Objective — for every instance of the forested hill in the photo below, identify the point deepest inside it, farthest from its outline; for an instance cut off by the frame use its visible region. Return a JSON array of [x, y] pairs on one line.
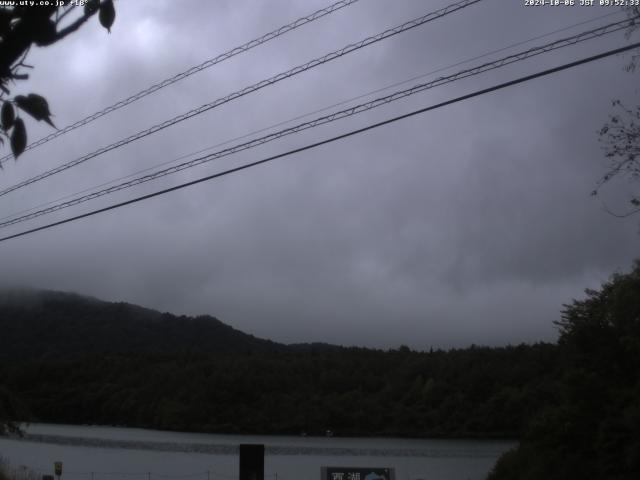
[[574, 405], [72, 359], [48, 324]]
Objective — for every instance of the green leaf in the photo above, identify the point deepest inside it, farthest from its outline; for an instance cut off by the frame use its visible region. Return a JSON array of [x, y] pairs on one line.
[[91, 7], [8, 116], [18, 138], [36, 106], [45, 33], [5, 22], [107, 14]]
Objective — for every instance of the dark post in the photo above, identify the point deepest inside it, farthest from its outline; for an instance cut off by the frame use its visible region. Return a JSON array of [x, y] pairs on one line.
[[251, 462]]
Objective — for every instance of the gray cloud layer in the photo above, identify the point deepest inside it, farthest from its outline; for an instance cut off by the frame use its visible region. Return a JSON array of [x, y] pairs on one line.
[[471, 223]]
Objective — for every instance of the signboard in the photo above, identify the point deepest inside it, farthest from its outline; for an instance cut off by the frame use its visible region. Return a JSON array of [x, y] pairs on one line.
[[357, 473], [57, 468]]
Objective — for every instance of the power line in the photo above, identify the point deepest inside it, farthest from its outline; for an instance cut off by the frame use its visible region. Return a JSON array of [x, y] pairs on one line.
[[298, 117], [245, 91], [330, 140], [191, 71], [357, 109]]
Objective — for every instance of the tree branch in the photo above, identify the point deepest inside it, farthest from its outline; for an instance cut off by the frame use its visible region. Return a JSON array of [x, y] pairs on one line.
[[74, 26], [64, 14], [618, 215]]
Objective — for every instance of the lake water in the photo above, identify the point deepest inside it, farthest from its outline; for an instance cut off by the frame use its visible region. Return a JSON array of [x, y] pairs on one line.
[[110, 453]]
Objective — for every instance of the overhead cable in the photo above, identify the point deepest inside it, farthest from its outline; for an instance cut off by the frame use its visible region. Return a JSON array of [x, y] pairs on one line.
[[329, 140], [304, 115], [245, 91], [191, 71], [357, 109], [308, 114]]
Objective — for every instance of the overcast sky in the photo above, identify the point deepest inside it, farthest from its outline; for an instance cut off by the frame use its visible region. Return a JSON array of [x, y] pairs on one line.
[[468, 224]]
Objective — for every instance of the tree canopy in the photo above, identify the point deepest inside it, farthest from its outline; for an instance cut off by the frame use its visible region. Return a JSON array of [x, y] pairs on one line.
[[620, 137], [591, 429], [21, 27]]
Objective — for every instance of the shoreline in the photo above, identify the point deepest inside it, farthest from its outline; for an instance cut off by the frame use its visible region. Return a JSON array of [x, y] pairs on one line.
[[233, 449]]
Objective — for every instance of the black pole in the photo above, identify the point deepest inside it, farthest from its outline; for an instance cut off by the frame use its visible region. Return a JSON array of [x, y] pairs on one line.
[[251, 462]]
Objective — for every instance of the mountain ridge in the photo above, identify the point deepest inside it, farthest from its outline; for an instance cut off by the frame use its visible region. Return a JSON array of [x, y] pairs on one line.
[[48, 323]]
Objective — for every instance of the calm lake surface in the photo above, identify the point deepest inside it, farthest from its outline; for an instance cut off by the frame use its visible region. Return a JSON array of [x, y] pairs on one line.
[[110, 453]]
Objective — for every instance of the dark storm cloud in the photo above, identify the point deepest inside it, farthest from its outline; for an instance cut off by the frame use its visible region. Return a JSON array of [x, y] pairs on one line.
[[470, 224]]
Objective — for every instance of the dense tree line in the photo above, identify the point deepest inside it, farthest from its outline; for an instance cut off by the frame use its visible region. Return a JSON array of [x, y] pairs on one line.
[[80, 360], [460, 393], [590, 428]]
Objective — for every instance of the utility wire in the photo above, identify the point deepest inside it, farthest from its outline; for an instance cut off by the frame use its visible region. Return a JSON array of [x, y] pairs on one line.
[[357, 109], [257, 86], [191, 71], [324, 109], [331, 140]]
